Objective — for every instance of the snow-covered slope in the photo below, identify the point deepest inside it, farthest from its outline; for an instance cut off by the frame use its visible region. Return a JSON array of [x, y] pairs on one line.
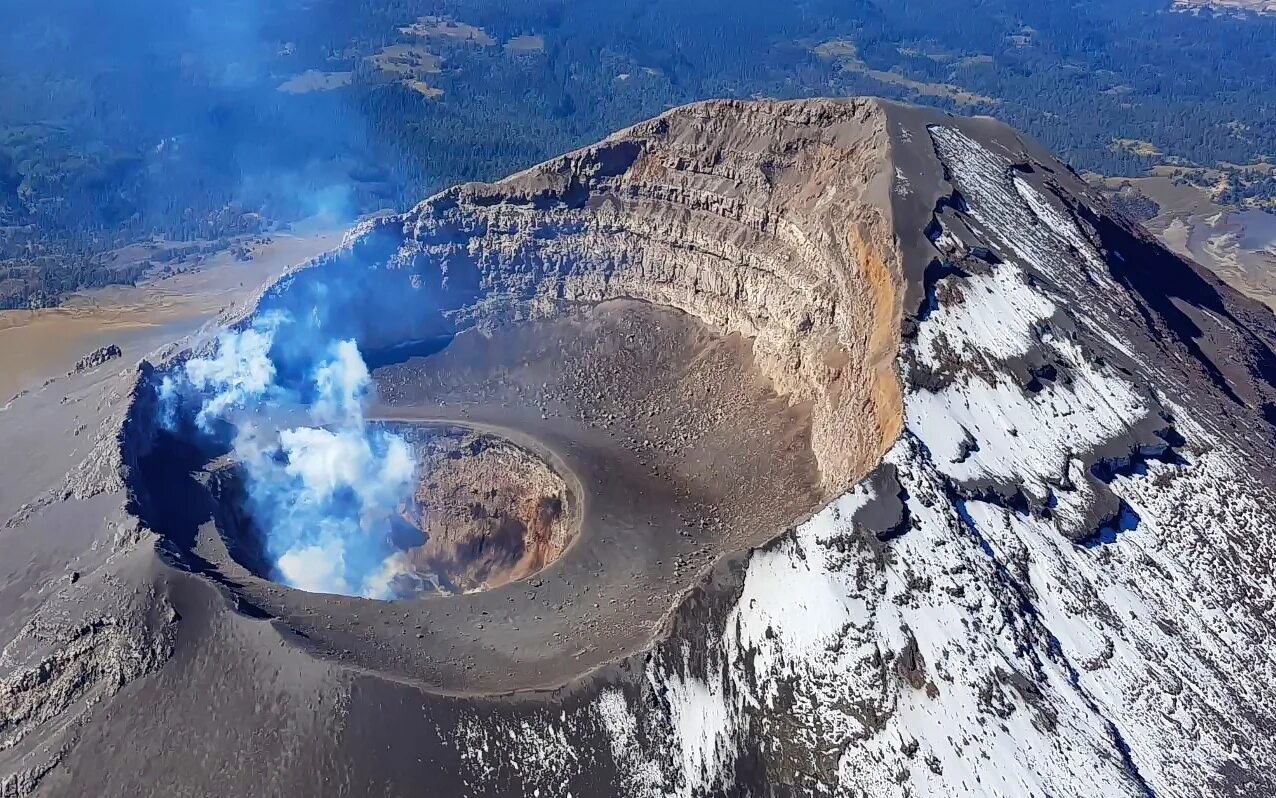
[[1057, 583]]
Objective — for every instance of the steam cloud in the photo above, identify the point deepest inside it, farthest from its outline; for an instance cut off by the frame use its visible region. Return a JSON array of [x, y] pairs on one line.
[[322, 494]]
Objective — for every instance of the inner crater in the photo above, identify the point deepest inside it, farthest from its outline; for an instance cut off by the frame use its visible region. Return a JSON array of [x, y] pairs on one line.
[[488, 511], [605, 446]]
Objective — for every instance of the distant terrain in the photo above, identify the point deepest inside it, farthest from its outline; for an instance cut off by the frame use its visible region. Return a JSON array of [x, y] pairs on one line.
[[254, 115], [41, 344], [1255, 6], [1191, 216]]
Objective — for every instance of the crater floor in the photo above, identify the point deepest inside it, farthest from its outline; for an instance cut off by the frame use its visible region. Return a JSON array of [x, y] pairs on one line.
[[671, 449], [485, 511]]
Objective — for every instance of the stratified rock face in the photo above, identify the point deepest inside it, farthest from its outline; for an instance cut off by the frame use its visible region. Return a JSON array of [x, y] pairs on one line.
[[1045, 565], [768, 220]]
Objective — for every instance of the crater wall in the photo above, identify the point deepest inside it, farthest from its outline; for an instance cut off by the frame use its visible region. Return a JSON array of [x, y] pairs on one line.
[[769, 219]]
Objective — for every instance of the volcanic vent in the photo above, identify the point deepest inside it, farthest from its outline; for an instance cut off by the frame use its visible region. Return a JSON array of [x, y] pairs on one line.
[[490, 511], [482, 511]]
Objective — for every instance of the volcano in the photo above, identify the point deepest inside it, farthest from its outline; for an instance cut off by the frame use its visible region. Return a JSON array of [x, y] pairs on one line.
[[763, 448]]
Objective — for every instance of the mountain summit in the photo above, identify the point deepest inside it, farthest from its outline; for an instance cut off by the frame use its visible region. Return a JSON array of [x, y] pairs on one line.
[[876, 455]]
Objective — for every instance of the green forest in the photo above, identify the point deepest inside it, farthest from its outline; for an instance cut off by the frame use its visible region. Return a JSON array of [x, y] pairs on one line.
[[138, 119]]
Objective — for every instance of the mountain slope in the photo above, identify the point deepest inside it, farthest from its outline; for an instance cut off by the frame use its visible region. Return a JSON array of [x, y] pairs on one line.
[[1059, 579], [1037, 558]]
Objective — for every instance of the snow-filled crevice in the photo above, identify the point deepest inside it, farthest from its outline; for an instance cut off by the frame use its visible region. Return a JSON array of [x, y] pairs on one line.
[[1028, 607]]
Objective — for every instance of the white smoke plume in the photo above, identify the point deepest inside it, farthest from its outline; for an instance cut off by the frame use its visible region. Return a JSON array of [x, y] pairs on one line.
[[322, 495], [241, 372]]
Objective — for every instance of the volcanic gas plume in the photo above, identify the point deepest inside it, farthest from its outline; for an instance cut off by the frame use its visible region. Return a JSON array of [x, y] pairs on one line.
[[321, 483]]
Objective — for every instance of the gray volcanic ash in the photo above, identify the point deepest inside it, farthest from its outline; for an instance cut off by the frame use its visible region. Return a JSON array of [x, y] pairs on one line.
[[764, 448]]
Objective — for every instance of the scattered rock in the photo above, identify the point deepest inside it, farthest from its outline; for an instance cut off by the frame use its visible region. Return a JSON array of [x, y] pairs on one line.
[[97, 357]]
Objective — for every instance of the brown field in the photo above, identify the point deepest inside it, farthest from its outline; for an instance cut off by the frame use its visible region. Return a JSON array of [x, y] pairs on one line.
[[36, 345], [407, 60], [314, 80], [524, 45], [424, 89], [428, 27], [1137, 146], [413, 62]]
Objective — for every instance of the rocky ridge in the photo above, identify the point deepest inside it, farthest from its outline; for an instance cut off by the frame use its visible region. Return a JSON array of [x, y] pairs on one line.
[[994, 629]]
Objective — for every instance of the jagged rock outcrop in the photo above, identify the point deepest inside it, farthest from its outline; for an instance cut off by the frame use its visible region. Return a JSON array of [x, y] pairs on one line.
[[99, 356], [66, 661]]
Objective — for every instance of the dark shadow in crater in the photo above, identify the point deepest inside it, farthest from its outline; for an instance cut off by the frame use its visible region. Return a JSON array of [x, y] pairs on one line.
[[400, 353], [170, 497], [173, 495], [245, 542]]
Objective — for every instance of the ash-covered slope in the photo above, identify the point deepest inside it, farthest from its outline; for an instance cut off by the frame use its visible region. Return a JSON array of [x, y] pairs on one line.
[[1040, 560]]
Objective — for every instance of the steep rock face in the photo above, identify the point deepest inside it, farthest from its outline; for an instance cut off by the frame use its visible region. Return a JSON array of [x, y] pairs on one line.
[[766, 219], [1059, 581]]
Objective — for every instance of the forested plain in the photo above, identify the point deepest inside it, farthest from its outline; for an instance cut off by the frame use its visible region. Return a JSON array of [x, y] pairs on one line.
[[149, 120]]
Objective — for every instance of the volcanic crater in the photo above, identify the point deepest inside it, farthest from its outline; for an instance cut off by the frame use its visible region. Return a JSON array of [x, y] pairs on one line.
[[629, 377], [612, 369], [588, 465]]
